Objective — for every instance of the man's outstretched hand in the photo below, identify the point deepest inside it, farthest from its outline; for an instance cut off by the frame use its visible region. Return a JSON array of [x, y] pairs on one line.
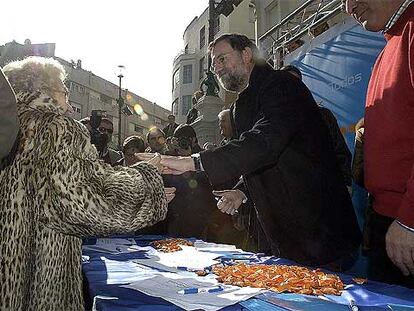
[[170, 164]]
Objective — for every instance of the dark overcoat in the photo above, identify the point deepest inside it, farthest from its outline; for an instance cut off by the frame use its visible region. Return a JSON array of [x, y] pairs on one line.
[[284, 153]]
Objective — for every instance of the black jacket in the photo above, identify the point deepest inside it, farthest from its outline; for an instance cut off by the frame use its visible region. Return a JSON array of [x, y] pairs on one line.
[[342, 153], [285, 155]]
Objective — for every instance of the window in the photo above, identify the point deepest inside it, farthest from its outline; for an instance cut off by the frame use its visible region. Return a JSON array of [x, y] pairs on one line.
[[105, 99], [175, 107], [216, 25], [135, 128], [94, 95], [201, 68], [272, 14], [202, 37], [186, 104], [187, 74], [77, 111], [176, 78]]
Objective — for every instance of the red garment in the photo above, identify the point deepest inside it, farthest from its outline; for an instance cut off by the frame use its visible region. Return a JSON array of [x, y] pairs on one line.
[[389, 124]]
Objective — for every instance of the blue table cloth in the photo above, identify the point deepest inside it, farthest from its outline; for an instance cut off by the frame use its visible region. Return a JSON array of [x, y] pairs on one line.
[[113, 297]]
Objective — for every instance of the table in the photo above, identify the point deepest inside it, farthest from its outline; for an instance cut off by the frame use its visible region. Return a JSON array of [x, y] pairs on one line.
[[106, 274]]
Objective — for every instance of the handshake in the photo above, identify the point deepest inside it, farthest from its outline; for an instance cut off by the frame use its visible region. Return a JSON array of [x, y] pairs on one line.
[[230, 200]]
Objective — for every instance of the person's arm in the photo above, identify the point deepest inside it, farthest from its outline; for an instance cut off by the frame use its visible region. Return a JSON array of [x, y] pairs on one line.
[[286, 105], [9, 125], [83, 196], [342, 153], [400, 234]]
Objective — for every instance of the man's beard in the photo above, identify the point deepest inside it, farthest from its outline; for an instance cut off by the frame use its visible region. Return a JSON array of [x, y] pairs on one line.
[[235, 82]]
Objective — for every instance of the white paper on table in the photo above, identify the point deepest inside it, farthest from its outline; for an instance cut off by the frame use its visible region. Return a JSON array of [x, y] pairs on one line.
[[188, 257], [126, 271], [167, 285]]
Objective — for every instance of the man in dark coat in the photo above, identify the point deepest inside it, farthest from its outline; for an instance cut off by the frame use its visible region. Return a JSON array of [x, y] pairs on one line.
[[284, 153], [170, 128]]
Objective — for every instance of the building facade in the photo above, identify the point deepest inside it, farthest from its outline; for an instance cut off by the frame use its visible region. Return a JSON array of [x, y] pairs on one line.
[[191, 63], [90, 92]]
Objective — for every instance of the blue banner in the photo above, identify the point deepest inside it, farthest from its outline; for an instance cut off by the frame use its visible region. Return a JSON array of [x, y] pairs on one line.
[[336, 66]]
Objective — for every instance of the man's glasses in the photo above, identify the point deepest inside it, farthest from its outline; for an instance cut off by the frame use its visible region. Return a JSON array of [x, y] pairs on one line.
[[219, 61]]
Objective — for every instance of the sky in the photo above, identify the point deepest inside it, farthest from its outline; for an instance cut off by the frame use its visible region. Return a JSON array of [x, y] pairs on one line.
[[142, 35]]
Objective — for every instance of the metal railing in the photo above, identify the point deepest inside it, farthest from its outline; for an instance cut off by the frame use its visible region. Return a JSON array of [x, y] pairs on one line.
[[296, 25]]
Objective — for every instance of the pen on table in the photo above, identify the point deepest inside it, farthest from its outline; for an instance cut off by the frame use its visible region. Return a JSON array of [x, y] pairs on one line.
[[186, 269], [352, 305], [199, 290]]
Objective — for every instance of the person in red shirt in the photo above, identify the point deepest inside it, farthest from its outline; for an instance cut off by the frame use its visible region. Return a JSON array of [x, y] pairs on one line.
[[389, 139]]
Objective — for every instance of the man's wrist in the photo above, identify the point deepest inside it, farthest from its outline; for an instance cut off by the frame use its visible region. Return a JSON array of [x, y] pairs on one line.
[[197, 165], [244, 200], [405, 226]]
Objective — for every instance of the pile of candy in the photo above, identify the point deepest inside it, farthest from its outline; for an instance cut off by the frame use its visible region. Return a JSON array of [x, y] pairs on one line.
[[280, 278], [170, 245]]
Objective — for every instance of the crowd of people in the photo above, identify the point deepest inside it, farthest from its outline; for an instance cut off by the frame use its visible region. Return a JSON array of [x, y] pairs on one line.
[[278, 183]]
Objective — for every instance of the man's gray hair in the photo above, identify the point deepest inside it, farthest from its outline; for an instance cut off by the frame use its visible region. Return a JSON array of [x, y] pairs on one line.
[[238, 42]]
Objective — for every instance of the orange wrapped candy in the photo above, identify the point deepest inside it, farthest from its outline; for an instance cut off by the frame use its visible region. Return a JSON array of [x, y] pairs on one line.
[[280, 278], [170, 245]]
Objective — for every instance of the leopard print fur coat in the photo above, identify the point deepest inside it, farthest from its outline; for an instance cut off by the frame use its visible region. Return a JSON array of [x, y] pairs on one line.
[[54, 193]]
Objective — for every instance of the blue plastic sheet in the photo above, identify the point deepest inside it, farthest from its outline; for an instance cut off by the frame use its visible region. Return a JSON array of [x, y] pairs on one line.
[[370, 296]]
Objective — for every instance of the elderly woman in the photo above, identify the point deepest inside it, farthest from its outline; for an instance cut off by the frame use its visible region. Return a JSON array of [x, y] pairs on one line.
[[57, 191]]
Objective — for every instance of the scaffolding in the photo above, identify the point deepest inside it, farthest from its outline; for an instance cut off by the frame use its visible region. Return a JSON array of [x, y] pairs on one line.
[[311, 14]]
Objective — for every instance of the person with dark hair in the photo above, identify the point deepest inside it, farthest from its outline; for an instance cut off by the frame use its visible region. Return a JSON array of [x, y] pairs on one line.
[[156, 141], [184, 142], [283, 151], [9, 125], [389, 139], [170, 128], [342, 152], [108, 155], [131, 146], [105, 131]]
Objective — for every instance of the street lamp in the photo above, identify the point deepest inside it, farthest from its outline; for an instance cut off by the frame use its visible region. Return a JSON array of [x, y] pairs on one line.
[[120, 101]]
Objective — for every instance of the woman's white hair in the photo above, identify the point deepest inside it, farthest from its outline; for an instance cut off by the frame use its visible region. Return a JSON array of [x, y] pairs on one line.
[[34, 74]]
